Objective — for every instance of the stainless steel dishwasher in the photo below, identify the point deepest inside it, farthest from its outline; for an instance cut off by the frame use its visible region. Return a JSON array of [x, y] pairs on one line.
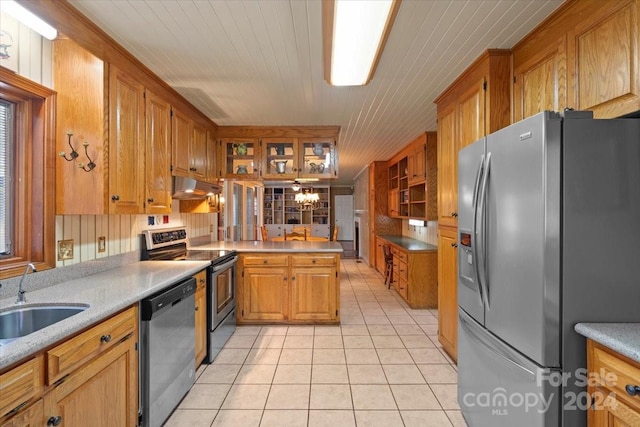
[[167, 350]]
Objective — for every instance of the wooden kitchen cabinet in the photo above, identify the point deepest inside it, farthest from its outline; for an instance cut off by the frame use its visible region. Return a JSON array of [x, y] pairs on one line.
[[21, 384], [79, 80], [288, 288], [126, 143], [448, 291], [584, 56], [90, 376], [414, 274], [264, 292], [189, 141], [610, 374], [475, 105], [104, 391], [314, 294], [240, 158], [201, 316], [413, 180], [279, 158], [33, 416], [293, 158], [158, 184]]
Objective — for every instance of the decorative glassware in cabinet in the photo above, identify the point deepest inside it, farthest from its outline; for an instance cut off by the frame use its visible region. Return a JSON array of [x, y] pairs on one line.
[[240, 157], [318, 158], [279, 157]]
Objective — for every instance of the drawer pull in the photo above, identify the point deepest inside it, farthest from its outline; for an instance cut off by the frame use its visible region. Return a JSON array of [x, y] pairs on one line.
[[104, 338], [54, 421], [265, 261], [313, 261], [633, 390]]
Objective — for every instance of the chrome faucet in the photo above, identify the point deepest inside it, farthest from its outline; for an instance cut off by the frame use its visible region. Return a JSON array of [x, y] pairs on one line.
[[21, 299]]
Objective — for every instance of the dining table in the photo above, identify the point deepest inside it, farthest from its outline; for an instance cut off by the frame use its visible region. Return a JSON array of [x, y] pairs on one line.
[[300, 238]]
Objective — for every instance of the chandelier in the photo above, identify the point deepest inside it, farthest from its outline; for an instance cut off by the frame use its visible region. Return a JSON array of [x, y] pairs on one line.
[[307, 201]]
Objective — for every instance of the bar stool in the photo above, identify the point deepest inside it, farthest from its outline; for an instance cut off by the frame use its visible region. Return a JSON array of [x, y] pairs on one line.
[[388, 266]]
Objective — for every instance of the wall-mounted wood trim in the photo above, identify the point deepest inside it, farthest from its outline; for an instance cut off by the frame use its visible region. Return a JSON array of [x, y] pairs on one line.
[[279, 132]]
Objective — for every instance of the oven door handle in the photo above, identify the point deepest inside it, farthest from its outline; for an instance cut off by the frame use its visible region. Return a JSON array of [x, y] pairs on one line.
[[225, 265]]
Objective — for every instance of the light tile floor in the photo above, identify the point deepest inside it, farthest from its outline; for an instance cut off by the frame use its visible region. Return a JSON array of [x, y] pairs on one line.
[[383, 366]]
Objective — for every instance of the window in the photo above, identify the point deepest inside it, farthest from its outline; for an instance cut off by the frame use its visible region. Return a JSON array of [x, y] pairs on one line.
[[7, 124], [27, 173]]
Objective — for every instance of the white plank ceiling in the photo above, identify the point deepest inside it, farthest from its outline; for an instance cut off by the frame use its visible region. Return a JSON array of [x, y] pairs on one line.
[[259, 62]]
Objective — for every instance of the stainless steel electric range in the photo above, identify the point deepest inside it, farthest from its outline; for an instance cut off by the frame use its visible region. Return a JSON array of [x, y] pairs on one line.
[[171, 244]]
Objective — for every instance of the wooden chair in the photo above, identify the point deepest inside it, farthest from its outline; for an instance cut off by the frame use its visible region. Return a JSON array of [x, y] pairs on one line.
[[335, 233], [263, 231], [388, 266], [296, 235]]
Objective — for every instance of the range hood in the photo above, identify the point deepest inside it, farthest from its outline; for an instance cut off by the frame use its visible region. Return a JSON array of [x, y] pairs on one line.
[[189, 189]]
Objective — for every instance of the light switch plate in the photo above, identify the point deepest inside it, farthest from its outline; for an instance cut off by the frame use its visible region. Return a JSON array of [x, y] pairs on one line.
[[65, 249]]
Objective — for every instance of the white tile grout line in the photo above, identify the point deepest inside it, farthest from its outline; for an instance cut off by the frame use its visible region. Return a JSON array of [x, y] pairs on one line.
[[369, 288]]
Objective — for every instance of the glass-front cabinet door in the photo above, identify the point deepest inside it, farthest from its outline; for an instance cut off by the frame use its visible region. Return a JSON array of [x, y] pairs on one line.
[[318, 158], [279, 158], [240, 158]]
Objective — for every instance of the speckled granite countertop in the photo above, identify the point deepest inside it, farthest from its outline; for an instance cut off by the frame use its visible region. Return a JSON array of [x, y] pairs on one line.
[[260, 246], [409, 244], [105, 293], [621, 337]]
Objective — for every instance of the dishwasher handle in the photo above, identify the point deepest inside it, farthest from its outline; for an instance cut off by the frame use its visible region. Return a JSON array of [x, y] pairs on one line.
[[165, 299]]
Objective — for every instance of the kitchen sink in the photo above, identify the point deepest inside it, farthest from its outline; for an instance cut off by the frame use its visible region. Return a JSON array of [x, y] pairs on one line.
[[19, 321]]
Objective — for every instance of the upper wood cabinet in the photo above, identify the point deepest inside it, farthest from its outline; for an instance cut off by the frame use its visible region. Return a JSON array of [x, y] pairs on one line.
[[413, 180], [278, 152], [476, 104], [279, 158], [585, 56], [318, 158], [240, 158], [189, 141], [126, 143], [133, 164], [158, 154], [79, 79], [291, 158]]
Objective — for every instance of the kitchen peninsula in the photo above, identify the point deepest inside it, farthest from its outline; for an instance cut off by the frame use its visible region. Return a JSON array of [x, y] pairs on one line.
[[292, 282]]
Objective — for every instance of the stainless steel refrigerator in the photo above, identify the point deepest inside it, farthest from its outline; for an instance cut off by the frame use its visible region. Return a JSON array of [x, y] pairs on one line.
[[549, 236]]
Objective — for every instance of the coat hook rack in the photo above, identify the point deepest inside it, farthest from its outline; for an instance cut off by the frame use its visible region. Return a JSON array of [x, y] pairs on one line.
[[73, 155]]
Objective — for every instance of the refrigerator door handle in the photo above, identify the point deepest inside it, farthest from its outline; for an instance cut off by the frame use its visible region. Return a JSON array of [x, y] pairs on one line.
[[474, 226], [480, 234], [500, 352]]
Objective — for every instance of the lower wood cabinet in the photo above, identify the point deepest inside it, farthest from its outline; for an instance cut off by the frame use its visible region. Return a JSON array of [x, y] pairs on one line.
[[414, 273], [288, 288], [91, 378], [447, 291], [201, 316], [614, 387]]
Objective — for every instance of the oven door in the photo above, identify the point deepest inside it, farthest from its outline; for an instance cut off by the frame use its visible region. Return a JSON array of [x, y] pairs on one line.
[[223, 291]]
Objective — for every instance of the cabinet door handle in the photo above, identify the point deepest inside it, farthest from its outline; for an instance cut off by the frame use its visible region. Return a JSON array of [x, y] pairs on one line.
[[454, 245], [265, 261], [454, 214], [293, 278], [150, 200], [115, 197], [196, 308], [54, 421], [313, 261], [104, 338], [633, 390]]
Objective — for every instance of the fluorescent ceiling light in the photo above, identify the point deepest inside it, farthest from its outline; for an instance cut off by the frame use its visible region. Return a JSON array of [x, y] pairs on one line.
[[355, 32], [29, 19]]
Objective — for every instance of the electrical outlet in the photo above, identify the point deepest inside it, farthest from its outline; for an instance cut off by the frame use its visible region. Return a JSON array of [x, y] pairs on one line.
[[102, 244], [210, 228], [65, 249]]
